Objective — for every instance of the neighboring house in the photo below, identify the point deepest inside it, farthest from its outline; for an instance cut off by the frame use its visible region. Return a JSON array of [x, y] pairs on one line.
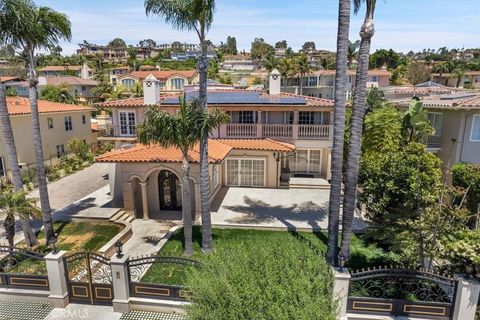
[[182, 46], [17, 83], [468, 79], [190, 54], [56, 71], [398, 93], [321, 83], [116, 72], [169, 80], [239, 63], [81, 88], [272, 136], [59, 123]]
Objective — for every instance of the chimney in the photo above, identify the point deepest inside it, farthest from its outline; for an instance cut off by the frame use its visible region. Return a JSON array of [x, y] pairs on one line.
[[274, 82], [84, 72], [151, 90]]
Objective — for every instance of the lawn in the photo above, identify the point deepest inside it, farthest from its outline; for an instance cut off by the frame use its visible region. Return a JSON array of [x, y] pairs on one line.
[[363, 255]]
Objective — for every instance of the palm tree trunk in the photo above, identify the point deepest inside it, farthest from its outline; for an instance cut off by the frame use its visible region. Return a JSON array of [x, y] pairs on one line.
[[9, 225], [186, 206], [207, 242], [339, 131], [301, 84], [37, 144], [30, 238], [356, 130]]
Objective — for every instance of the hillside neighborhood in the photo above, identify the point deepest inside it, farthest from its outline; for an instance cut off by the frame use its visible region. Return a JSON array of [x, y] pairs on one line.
[[170, 176]]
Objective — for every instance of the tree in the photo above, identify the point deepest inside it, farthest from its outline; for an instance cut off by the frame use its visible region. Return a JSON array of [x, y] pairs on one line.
[[260, 50], [417, 73], [11, 92], [61, 93], [270, 64], [231, 46], [352, 51], [15, 203], [458, 73], [338, 131], [303, 67], [80, 149], [383, 130], [383, 57], [281, 44], [356, 130], [286, 68], [308, 46], [117, 43], [182, 130], [467, 176], [194, 15], [442, 68], [147, 45], [38, 28]]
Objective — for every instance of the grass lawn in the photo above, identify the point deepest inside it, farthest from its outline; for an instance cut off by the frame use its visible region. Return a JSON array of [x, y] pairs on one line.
[[362, 255]]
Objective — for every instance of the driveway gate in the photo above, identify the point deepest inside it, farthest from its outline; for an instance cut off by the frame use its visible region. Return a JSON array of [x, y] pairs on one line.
[[89, 278], [402, 292]]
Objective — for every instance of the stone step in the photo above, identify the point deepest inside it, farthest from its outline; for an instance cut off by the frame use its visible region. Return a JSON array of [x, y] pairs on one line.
[[117, 215], [309, 186]]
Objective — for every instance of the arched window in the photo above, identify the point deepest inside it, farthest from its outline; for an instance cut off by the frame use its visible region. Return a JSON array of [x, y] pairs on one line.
[[170, 191], [128, 83]]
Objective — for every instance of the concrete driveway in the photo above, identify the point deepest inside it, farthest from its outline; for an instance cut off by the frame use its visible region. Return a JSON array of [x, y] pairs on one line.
[[299, 209]]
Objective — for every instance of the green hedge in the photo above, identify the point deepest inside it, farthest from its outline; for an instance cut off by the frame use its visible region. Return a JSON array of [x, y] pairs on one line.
[[468, 176]]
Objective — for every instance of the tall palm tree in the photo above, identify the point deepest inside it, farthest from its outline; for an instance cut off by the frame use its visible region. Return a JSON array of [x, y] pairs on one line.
[[13, 203], [7, 9], [458, 73], [182, 130], [194, 15], [352, 51], [271, 63], [442, 68], [303, 67], [339, 130], [356, 129], [43, 29], [285, 67]]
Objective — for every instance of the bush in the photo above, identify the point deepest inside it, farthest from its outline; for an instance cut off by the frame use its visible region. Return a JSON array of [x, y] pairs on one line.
[[262, 280], [468, 176]]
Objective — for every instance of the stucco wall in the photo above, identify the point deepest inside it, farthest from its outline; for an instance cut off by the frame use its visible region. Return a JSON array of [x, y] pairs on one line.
[[469, 150]]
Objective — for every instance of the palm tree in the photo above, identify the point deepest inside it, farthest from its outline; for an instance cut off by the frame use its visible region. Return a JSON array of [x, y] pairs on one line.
[[352, 51], [285, 67], [13, 203], [42, 29], [182, 130], [303, 67], [458, 73], [356, 129], [194, 15], [339, 130], [270, 64], [442, 68]]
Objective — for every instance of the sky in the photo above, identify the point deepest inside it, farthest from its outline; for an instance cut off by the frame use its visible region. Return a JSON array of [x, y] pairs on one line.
[[402, 25]]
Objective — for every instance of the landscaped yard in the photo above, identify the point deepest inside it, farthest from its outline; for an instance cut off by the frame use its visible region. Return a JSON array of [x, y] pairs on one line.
[[363, 255]]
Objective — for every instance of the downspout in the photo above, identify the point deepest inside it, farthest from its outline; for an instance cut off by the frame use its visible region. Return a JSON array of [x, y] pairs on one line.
[[464, 132]]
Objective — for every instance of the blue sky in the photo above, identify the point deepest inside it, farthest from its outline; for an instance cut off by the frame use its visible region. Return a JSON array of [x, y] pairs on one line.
[[400, 24]]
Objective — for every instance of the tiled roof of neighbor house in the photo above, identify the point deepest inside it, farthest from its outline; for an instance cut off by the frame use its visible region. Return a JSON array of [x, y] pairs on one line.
[[467, 73], [258, 144], [162, 75], [417, 90], [61, 68], [230, 98], [70, 80], [459, 101], [6, 79], [217, 151], [20, 106]]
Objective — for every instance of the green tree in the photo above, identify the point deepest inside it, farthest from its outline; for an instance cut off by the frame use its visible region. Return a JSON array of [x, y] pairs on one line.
[[338, 131], [383, 130], [286, 68], [352, 51], [15, 203], [61, 93], [181, 130], [270, 64], [308, 46], [382, 57], [303, 67], [11, 92], [80, 149], [458, 73], [231, 45], [260, 50], [467, 176], [194, 15], [417, 73], [37, 28], [117, 43], [356, 130], [416, 127]]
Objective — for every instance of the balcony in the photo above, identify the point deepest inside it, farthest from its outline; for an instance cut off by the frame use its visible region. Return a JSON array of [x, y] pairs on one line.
[[276, 131], [117, 132]]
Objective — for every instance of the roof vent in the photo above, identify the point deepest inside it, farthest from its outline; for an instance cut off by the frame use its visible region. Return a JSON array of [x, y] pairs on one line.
[[151, 90], [274, 82]]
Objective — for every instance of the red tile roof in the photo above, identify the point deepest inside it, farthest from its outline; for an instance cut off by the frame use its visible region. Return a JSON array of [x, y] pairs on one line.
[[6, 79], [162, 75], [61, 68], [218, 150], [70, 80], [19, 106]]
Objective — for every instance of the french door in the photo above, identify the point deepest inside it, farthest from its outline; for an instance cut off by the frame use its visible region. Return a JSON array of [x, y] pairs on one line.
[[307, 161], [127, 123], [245, 172]]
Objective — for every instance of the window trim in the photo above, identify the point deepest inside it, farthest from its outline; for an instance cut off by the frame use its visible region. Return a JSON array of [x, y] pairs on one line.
[[474, 118], [50, 123], [239, 159], [68, 123]]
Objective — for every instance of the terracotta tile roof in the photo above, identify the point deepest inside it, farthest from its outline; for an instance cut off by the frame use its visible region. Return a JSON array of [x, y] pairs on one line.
[[61, 68], [19, 106], [217, 151], [70, 80], [454, 101], [258, 144], [6, 79], [161, 75]]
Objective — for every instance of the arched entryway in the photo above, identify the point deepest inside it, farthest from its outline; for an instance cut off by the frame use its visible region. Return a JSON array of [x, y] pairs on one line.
[[170, 191]]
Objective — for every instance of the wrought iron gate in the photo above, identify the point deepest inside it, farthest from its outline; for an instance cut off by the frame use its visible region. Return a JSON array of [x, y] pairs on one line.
[[89, 278], [402, 292]]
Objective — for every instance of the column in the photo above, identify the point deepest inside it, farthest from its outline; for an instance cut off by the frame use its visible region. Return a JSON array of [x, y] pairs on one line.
[[296, 116], [466, 299], [329, 164], [259, 124], [144, 200], [340, 289], [120, 284], [57, 279]]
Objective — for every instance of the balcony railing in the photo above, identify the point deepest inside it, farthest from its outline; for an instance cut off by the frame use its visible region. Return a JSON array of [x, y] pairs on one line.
[[242, 130], [313, 131], [434, 141], [118, 131], [278, 131]]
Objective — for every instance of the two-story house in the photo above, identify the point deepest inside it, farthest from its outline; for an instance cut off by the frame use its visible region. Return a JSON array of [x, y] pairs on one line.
[[80, 88], [115, 72], [469, 79], [59, 123], [82, 71], [169, 80], [272, 137], [321, 83]]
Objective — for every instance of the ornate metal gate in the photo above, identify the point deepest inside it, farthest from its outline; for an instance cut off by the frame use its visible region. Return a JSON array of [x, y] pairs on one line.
[[89, 278], [402, 292]]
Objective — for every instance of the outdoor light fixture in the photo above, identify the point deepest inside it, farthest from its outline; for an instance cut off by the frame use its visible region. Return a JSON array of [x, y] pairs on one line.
[[52, 243], [341, 261], [118, 248]]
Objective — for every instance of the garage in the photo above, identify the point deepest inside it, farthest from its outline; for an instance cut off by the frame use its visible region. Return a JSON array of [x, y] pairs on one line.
[[245, 172]]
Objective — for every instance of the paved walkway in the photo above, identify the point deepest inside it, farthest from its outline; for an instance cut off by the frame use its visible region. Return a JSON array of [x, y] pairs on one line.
[[274, 208]]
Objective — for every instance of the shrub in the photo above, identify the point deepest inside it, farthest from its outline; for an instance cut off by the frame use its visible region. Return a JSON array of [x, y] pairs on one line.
[[276, 279], [468, 176], [80, 149]]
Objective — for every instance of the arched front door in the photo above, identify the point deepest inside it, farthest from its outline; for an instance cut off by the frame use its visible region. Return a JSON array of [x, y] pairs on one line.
[[170, 191]]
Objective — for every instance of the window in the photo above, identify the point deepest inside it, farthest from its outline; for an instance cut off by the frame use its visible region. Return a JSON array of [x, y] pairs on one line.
[[374, 79], [50, 123], [128, 83], [243, 116], [177, 83], [84, 119], [314, 117], [312, 81], [60, 150], [475, 134], [288, 117], [68, 123], [127, 123], [215, 174], [2, 167], [84, 88], [245, 172], [435, 119]]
